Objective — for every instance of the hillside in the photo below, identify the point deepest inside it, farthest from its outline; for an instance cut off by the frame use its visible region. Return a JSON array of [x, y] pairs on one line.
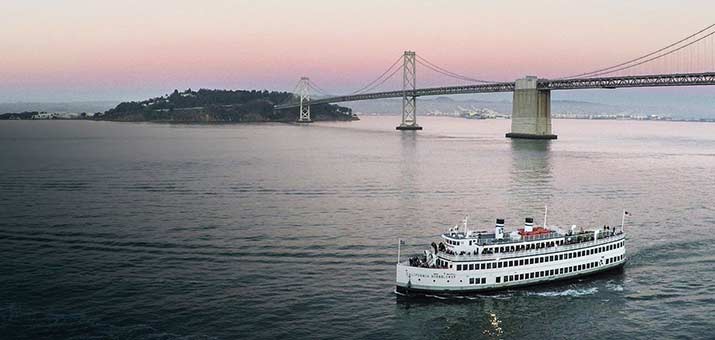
[[218, 106]]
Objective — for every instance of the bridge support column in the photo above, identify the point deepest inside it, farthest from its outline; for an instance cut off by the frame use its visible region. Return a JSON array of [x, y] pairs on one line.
[[531, 111], [409, 99], [304, 92]]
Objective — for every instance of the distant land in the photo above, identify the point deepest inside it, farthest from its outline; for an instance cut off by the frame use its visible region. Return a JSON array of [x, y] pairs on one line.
[[559, 108], [256, 106], [187, 106], [68, 107], [218, 106]]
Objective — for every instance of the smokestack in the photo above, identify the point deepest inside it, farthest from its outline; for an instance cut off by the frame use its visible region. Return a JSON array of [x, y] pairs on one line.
[[499, 229], [529, 224]]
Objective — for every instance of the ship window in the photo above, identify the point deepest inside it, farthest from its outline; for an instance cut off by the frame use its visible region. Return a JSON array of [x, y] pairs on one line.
[[551, 258], [531, 261], [511, 277], [484, 280], [561, 271], [459, 267], [511, 263], [498, 279], [521, 262], [471, 266], [489, 265], [531, 276], [521, 276], [500, 264], [471, 280], [506, 278], [483, 266], [561, 257], [579, 267]]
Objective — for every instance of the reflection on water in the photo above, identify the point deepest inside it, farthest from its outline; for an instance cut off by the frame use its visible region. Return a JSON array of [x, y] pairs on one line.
[[408, 168], [531, 183]]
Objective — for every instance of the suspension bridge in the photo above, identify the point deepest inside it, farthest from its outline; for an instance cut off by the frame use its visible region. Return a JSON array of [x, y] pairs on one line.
[[687, 62]]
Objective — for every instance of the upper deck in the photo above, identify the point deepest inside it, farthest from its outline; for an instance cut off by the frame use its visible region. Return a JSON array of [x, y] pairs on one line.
[[570, 242], [483, 238]]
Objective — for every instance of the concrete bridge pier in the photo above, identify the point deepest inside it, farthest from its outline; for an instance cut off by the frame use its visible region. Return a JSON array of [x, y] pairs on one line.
[[531, 111]]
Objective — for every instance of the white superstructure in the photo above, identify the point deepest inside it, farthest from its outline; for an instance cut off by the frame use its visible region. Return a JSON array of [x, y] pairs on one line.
[[471, 260]]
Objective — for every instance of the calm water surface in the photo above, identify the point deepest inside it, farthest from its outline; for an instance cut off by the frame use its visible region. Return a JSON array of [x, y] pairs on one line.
[[148, 231]]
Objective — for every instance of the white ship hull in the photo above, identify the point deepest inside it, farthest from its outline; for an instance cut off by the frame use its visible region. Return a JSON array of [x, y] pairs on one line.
[[480, 273]]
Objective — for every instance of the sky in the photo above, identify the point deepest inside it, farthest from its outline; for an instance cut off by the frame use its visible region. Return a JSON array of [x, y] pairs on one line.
[[81, 50]]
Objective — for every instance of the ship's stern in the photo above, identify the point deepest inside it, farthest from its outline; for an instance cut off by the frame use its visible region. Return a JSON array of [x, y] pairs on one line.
[[402, 278]]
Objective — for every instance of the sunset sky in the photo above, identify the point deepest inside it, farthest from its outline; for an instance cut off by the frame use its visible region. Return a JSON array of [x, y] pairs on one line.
[[72, 50]]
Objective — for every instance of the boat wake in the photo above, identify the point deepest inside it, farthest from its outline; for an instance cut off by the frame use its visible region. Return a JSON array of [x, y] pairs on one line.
[[614, 287], [568, 292]]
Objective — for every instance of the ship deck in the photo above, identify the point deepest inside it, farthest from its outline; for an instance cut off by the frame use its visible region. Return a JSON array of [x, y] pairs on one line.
[[530, 252]]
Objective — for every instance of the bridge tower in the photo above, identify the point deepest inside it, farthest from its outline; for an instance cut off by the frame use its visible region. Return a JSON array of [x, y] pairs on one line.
[[409, 98], [531, 111], [304, 93]]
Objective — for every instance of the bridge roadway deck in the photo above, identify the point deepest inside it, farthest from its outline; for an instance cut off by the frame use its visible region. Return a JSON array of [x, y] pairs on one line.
[[656, 80]]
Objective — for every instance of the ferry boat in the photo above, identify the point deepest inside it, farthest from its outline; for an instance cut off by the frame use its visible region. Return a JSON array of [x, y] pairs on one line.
[[468, 261]]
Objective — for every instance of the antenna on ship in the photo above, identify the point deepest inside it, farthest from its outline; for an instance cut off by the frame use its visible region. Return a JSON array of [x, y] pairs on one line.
[[546, 212]]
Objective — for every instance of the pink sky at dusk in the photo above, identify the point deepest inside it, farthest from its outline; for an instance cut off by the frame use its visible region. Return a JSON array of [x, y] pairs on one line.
[[87, 50]]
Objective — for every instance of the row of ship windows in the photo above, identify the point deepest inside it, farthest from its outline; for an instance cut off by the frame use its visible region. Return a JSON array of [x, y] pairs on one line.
[[521, 247], [477, 281], [542, 259], [543, 273], [536, 245], [566, 270]]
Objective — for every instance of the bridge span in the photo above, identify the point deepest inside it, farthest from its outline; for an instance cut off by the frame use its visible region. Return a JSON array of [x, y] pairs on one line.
[[654, 80], [531, 105]]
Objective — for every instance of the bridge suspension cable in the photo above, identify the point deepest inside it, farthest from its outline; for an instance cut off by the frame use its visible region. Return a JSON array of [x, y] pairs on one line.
[[426, 63], [313, 86], [379, 80], [642, 59]]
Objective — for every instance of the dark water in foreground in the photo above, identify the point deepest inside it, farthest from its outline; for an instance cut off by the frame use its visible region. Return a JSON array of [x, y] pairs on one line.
[[143, 231]]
